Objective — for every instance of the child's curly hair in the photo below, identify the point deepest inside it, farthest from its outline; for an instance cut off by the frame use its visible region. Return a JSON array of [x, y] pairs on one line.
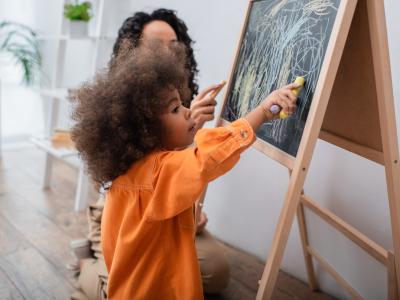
[[117, 114]]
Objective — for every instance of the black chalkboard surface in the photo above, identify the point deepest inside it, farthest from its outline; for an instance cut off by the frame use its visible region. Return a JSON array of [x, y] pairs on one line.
[[282, 39]]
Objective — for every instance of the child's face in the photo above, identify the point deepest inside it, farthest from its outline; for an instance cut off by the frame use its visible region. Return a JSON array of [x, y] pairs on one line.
[[179, 127]]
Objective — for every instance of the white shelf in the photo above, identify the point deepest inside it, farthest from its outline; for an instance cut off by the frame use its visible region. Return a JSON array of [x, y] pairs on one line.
[[72, 37], [53, 93], [61, 40], [46, 145]]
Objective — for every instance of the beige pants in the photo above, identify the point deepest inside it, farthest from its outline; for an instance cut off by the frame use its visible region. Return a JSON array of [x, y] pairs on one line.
[[92, 280], [214, 266]]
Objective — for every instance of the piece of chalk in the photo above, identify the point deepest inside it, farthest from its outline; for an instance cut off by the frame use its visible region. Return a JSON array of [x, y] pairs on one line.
[[299, 80], [277, 109], [218, 89]]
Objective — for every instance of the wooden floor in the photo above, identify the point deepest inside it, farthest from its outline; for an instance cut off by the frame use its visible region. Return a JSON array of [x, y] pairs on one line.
[[37, 225]]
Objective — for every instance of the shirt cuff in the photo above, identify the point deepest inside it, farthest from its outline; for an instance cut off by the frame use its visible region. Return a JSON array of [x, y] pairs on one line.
[[242, 132]]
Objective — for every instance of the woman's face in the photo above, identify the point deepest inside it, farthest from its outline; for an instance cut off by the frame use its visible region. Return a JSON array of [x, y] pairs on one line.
[[159, 30]]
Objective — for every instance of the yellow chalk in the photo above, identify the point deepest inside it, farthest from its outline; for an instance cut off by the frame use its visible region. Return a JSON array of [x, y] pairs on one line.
[[299, 80], [283, 115], [218, 89]]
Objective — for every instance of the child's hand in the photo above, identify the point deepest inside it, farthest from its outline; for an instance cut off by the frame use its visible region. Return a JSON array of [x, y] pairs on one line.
[[203, 106], [284, 97]]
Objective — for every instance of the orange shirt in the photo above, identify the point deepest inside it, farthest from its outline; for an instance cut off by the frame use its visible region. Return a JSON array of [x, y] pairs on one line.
[[148, 222]]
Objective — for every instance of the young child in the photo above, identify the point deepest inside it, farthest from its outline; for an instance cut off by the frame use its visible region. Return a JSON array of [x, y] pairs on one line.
[[164, 25], [133, 131]]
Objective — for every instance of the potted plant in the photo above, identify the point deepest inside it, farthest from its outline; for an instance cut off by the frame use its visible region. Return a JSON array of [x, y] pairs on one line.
[[78, 13], [19, 43]]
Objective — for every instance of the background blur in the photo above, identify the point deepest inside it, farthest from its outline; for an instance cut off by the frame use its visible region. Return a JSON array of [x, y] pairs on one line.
[[243, 206]]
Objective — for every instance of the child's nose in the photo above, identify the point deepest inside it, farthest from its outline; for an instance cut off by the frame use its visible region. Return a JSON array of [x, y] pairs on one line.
[[188, 112]]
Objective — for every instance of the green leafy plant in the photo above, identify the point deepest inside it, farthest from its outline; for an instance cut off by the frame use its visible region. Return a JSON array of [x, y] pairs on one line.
[[78, 11], [21, 44]]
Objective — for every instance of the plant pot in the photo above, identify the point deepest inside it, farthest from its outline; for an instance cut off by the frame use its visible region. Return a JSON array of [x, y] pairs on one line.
[[78, 28]]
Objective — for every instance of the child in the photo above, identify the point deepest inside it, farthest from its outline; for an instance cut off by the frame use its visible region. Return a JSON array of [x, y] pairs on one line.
[[164, 25], [132, 130]]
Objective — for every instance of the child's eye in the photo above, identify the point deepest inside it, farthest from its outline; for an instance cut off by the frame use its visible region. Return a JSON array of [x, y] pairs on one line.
[[176, 109]]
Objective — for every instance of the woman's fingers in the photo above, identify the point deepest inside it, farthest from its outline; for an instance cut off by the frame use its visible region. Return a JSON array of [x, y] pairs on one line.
[[202, 110], [207, 101], [207, 90], [201, 113], [201, 119], [207, 117]]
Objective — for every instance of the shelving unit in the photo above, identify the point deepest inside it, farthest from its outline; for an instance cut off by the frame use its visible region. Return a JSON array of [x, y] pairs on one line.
[[68, 37], [56, 93], [46, 145]]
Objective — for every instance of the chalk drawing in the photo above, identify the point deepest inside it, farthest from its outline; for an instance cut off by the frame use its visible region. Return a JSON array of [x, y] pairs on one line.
[[283, 39]]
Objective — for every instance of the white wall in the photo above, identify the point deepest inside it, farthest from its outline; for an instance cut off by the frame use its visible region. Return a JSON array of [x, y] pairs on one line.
[[243, 206]]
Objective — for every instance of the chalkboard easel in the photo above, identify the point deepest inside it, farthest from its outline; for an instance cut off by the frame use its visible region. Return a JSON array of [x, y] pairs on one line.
[[352, 107]]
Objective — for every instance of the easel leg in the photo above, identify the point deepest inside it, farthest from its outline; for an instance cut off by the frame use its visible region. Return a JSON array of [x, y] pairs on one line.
[[394, 195], [301, 219], [312, 281], [392, 178], [281, 236], [380, 55], [393, 292]]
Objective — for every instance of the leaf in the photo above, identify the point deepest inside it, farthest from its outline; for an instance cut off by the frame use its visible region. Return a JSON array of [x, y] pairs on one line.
[[78, 11], [20, 42]]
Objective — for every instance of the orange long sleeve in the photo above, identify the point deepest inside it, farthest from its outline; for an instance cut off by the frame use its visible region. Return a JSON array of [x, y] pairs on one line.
[[148, 222]]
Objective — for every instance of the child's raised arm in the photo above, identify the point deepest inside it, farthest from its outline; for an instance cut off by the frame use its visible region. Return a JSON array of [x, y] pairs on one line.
[[284, 97], [187, 172]]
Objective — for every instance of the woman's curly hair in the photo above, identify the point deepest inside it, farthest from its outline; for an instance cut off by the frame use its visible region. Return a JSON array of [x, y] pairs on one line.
[[118, 114], [132, 29]]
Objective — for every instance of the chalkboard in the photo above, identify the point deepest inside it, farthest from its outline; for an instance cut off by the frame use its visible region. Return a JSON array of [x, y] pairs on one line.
[[281, 40]]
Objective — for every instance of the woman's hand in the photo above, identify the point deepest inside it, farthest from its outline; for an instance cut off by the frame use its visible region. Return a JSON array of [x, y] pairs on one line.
[[201, 224], [203, 107]]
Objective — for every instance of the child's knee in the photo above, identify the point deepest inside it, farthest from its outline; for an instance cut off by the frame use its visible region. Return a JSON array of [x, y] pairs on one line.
[[215, 272], [89, 280]]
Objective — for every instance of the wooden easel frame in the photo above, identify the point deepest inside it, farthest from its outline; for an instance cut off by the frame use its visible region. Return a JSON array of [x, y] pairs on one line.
[[388, 155]]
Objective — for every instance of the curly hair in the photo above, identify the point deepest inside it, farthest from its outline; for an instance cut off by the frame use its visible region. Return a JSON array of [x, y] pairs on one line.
[[118, 113], [132, 29]]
